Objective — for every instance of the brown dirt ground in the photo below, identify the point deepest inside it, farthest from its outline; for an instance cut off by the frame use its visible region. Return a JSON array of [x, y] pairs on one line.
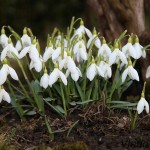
[[95, 130]]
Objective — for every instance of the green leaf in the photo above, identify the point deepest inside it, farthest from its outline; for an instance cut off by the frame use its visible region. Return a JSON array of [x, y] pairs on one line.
[[80, 91], [49, 129], [36, 86], [60, 109], [85, 102], [30, 112], [72, 126]]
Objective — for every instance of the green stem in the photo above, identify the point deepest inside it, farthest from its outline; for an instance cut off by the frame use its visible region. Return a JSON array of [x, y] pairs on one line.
[[63, 98], [134, 121], [17, 106]]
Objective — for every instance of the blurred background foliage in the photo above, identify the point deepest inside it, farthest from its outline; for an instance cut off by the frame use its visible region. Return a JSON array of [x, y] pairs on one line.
[[40, 15]]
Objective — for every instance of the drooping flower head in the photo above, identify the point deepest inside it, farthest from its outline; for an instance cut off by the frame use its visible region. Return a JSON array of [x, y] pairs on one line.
[[4, 95], [44, 79], [3, 38]]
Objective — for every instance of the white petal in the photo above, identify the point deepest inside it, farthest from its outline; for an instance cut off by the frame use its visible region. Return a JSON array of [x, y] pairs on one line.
[[47, 54], [38, 66], [112, 58], [53, 77], [79, 72], [132, 51], [140, 105], [89, 41], [146, 106], [4, 53], [24, 52], [109, 71], [100, 72], [6, 96], [63, 78], [3, 75], [91, 72], [67, 73], [34, 54], [75, 75], [31, 65], [13, 73], [88, 32], [44, 80], [97, 43], [1, 95], [14, 50], [56, 53], [123, 57], [148, 72], [133, 73], [18, 45], [71, 65], [83, 54], [143, 54], [124, 75]]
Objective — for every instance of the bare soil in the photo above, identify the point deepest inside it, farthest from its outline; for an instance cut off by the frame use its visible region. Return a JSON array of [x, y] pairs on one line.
[[94, 130]]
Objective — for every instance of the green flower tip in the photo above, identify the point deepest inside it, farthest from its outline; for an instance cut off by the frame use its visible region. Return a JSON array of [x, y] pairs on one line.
[[2, 30], [25, 31], [34, 41], [68, 52], [59, 33], [129, 63], [56, 65], [130, 40], [81, 23], [45, 70], [116, 45], [9, 40], [136, 39], [94, 31], [50, 44], [93, 61], [103, 41], [5, 61], [142, 95], [59, 44]]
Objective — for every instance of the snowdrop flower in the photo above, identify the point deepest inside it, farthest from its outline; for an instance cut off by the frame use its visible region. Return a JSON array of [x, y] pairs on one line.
[[131, 72], [48, 52], [104, 50], [9, 51], [82, 30], [93, 70], [129, 50], [138, 49], [32, 50], [148, 72], [4, 95], [142, 102], [44, 80], [37, 65], [97, 41], [26, 41], [3, 38], [74, 75], [5, 70], [80, 51], [106, 69], [56, 53], [55, 75], [117, 55]]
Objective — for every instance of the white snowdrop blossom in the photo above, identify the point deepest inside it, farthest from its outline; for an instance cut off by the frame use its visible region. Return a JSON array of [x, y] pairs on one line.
[[74, 75], [104, 51], [36, 64], [44, 82], [141, 105], [82, 30], [5, 70], [80, 52], [56, 53], [9, 51], [138, 49], [55, 75], [106, 69], [3, 38], [131, 72], [48, 53], [94, 37], [129, 50], [117, 55], [26, 41], [4, 95], [32, 50]]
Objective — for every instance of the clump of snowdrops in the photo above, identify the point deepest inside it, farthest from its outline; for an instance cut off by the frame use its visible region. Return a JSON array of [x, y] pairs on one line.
[[74, 69]]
